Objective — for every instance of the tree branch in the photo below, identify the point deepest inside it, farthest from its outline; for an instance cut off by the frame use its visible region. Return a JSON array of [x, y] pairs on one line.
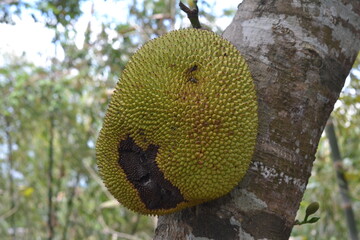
[[192, 14]]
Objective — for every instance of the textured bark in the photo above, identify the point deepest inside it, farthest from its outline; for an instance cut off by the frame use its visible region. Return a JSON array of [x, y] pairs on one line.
[[299, 53]]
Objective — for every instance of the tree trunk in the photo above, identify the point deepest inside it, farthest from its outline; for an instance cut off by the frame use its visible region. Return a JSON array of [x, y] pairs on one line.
[[342, 181], [299, 53]]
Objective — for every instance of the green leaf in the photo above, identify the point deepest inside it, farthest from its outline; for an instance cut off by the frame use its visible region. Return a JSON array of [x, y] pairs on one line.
[[311, 209], [313, 220]]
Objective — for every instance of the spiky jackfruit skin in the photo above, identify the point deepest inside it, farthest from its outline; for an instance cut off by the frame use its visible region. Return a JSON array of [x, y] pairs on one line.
[[181, 126]]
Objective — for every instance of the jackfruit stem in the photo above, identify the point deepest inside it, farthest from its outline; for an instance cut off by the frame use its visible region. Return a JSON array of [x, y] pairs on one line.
[[192, 14]]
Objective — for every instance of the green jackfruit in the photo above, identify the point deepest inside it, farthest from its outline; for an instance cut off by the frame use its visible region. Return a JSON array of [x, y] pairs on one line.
[[181, 126]]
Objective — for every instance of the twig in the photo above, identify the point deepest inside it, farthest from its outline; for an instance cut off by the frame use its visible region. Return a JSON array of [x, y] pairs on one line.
[[108, 230], [97, 179], [192, 14], [9, 213]]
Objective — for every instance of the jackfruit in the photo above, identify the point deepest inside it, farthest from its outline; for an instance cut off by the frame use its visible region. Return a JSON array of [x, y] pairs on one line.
[[181, 126]]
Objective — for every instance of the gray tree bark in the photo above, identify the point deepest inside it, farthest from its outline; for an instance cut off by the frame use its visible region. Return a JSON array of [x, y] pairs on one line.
[[299, 53]]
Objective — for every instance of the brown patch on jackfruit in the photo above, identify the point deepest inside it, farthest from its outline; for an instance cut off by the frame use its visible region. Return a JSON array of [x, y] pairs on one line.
[[141, 170]]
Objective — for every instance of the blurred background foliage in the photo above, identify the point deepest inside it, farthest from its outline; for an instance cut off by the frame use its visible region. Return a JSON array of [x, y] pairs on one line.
[[50, 115]]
